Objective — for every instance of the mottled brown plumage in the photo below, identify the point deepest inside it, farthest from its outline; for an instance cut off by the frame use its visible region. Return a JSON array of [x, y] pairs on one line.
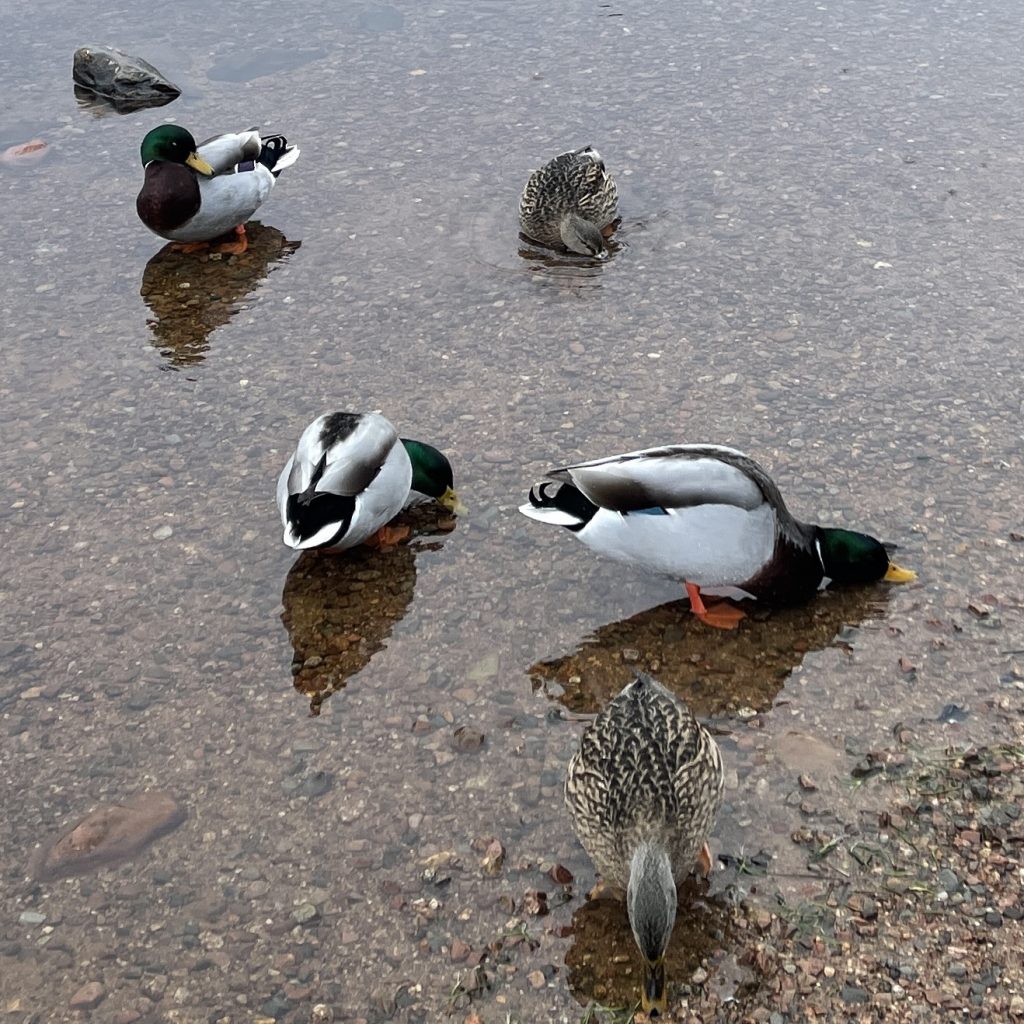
[[571, 203], [646, 770], [643, 791]]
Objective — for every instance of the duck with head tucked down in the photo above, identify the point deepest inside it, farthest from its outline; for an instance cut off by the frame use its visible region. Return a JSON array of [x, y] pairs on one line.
[[709, 516], [571, 203], [350, 475], [194, 194], [643, 791]]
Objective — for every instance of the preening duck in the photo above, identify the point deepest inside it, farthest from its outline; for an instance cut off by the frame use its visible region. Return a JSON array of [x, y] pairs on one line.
[[194, 194], [350, 475], [709, 516], [571, 203]]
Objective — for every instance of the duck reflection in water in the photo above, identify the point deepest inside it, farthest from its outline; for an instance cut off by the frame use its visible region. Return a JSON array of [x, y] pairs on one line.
[[714, 671], [190, 296], [340, 610]]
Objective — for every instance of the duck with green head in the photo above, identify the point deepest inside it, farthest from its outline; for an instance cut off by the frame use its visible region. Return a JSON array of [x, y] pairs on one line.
[[350, 475], [709, 516], [193, 194], [643, 791]]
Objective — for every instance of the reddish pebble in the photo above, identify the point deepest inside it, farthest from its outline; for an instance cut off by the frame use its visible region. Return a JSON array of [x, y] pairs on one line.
[[88, 997], [25, 153]]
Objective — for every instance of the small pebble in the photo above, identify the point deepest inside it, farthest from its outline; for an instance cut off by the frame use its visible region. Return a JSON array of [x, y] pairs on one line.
[[305, 913]]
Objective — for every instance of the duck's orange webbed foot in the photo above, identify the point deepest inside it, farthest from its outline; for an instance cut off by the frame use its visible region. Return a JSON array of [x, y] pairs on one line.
[[704, 860], [720, 614], [388, 537], [238, 246]]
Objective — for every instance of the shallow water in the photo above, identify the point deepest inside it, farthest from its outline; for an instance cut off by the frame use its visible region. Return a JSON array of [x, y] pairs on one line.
[[819, 264]]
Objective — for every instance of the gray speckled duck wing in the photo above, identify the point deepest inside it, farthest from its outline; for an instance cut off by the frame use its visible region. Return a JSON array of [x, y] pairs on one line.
[[224, 152], [348, 449], [673, 476]]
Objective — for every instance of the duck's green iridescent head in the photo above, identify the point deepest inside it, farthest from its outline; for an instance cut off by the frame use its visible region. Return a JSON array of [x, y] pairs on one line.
[[173, 144], [851, 557], [432, 474]]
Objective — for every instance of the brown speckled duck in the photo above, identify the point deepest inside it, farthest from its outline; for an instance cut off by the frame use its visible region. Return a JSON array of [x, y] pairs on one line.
[[571, 203], [643, 791]]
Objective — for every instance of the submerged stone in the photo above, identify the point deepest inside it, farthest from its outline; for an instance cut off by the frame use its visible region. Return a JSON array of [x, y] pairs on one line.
[[111, 834], [122, 81]]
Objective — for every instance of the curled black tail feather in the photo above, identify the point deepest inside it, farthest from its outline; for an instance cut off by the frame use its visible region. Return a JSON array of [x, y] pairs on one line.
[[566, 498], [274, 147]]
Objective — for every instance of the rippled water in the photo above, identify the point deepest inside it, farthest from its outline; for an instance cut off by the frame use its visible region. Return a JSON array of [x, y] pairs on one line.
[[819, 264]]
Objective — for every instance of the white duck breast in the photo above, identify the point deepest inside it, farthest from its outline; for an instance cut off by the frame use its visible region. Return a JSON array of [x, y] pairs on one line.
[[225, 202]]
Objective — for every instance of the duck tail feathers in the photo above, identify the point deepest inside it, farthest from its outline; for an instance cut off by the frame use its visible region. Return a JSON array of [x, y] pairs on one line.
[[558, 505], [276, 154]]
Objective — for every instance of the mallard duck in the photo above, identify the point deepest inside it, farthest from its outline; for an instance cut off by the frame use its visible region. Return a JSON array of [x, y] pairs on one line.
[[351, 474], [710, 516], [570, 203], [193, 194], [643, 791]]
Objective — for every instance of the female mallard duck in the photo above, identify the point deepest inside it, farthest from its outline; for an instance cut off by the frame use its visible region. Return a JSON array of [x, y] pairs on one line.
[[710, 516], [643, 791], [570, 203], [193, 194], [351, 474]]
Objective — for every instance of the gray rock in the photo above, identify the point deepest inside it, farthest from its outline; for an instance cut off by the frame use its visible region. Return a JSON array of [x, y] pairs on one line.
[[31, 917], [305, 913], [853, 994], [123, 82]]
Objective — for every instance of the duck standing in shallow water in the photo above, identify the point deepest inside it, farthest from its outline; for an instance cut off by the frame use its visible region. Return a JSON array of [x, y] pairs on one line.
[[351, 474], [711, 517], [195, 194], [643, 791], [571, 203]]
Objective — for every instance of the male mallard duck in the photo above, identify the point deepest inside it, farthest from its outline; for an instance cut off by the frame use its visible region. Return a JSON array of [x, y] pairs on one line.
[[570, 203], [351, 474], [193, 194], [710, 516], [643, 791]]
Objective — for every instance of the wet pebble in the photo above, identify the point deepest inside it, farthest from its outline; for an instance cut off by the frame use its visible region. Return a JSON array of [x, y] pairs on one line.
[[311, 784], [305, 913], [493, 858], [88, 997], [853, 994], [467, 740]]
